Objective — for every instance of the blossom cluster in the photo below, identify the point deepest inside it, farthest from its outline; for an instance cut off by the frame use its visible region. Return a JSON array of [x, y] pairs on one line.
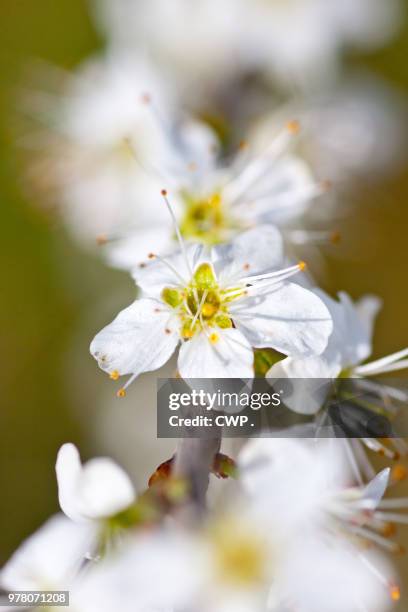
[[164, 155]]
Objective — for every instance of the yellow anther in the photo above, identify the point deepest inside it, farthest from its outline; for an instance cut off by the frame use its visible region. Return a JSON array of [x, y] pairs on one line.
[[214, 338], [188, 333], [302, 265], [395, 592], [114, 375], [335, 237], [399, 472], [293, 126], [389, 530], [101, 239], [121, 393]]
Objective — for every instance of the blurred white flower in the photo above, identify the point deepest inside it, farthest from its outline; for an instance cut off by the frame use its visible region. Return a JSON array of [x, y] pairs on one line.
[[50, 559], [214, 201], [298, 41], [219, 305], [153, 572], [349, 346], [301, 489], [355, 129], [86, 151]]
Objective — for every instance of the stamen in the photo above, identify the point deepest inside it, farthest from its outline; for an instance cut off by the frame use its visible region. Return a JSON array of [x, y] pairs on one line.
[[114, 375], [169, 265], [198, 313], [368, 535], [383, 365], [279, 274], [177, 229], [376, 446], [313, 237], [121, 393]]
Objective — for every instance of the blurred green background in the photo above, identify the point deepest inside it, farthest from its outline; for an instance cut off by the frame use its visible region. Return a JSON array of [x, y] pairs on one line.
[[49, 286]]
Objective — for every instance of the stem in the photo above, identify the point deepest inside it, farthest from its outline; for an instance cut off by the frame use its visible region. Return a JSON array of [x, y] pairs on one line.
[[194, 461]]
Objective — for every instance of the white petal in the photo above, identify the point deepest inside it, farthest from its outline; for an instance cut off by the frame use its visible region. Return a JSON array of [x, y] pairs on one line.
[[104, 489], [68, 469], [230, 357], [284, 193], [352, 327], [130, 251], [141, 339], [287, 317], [153, 276], [100, 488], [50, 558], [252, 252], [375, 490], [368, 308], [310, 381], [198, 144]]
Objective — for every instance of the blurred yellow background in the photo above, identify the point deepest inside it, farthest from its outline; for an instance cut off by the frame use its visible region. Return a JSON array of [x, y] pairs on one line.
[[50, 287]]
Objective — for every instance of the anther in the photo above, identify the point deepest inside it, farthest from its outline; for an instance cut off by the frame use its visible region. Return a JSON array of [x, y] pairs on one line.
[[302, 265], [121, 393], [389, 530], [326, 185], [214, 338], [335, 237], [293, 126], [151, 256], [164, 192], [101, 239], [146, 98], [395, 592], [399, 472], [114, 375], [167, 331]]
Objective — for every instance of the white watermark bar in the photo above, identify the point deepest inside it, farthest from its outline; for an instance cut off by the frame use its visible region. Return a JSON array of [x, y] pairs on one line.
[[296, 407], [32, 599]]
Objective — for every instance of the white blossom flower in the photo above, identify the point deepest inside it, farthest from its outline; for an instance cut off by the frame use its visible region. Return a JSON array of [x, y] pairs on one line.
[[348, 348], [299, 40], [50, 559], [85, 151], [219, 305], [214, 200], [98, 490], [352, 130], [153, 571], [302, 489]]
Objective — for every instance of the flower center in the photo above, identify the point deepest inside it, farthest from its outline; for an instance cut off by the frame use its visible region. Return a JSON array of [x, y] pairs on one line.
[[201, 305], [206, 220], [240, 556]]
